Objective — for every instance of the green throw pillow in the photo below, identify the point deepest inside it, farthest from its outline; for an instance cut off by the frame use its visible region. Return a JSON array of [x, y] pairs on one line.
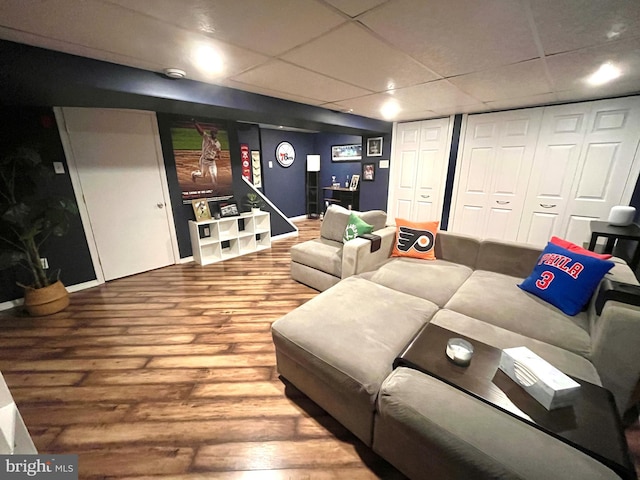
[[355, 228]]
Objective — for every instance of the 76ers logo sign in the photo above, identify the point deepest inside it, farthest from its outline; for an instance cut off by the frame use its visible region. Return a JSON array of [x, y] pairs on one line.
[[421, 240]]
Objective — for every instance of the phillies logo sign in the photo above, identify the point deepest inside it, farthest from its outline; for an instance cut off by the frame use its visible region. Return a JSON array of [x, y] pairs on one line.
[[246, 161]]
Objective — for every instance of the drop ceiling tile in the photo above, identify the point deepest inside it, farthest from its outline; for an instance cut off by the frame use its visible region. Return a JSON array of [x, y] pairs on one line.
[[266, 26], [453, 38], [569, 71], [270, 93], [284, 77], [354, 8], [477, 108], [573, 24], [530, 101], [351, 54], [512, 81], [104, 31], [368, 105], [433, 95]]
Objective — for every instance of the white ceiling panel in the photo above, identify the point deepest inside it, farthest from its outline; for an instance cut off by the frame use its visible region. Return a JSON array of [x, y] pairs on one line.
[[544, 99], [266, 26], [281, 76], [569, 71], [442, 56], [351, 54], [354, 8], [433, 95], [573, 24], [511, 81], [456, 37]]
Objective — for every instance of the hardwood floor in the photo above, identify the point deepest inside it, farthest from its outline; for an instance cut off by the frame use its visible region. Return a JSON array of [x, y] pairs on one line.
[[171, 374]]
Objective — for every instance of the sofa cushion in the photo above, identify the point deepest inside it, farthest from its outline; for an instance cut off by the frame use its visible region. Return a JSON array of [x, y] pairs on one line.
[[565, 279], [429, 429], [498, 337], [356, 227], [495, 298], [434, 280], [376, 218], [321, 254], [334, 222], [336, 218], [509, 258], [415, 239]]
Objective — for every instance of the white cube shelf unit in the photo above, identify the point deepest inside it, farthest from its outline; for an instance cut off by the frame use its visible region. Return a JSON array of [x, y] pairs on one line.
[[217, 240]]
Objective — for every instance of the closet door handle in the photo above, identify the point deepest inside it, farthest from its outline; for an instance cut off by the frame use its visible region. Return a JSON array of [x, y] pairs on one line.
[[425, 196], [547, 205], [503, 202]]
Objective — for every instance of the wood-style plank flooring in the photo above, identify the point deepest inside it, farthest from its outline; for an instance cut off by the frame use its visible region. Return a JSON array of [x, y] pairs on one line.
[[171, 374]]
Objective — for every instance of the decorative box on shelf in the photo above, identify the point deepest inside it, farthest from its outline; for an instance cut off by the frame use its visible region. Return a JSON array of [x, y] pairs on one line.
[[544, 382], [216, 240]]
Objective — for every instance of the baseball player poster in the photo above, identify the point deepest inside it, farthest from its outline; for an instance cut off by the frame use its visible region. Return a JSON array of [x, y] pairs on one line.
[[203, 162]]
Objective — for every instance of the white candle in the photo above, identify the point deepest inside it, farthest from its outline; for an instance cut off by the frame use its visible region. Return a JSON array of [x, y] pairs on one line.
[[459, 351]]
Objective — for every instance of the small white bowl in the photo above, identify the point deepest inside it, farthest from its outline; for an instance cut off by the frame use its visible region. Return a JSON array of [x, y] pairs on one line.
[[459, 351]]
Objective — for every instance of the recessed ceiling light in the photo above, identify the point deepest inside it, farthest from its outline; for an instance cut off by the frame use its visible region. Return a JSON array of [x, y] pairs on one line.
[[604, 74], [209, 60], [174, 73], [390, 109]]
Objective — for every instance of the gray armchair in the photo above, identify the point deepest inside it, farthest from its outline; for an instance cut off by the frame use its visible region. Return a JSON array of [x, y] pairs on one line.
[[322, 262]]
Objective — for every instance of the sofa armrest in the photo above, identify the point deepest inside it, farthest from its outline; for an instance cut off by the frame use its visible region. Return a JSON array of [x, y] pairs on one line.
[[615, 336], [358, 258]]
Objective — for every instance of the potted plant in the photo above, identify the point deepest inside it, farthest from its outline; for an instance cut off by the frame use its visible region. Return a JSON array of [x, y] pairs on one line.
[[27, 220], [254, 201]]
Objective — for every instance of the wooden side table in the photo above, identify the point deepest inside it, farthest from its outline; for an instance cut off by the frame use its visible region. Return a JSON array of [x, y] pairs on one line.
[[613, 233]]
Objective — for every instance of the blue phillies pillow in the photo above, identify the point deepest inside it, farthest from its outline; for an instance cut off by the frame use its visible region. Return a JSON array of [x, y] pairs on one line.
[[565, 279]]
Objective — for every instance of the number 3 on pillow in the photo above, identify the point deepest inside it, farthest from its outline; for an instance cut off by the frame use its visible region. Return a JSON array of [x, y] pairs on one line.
[[545, 280]]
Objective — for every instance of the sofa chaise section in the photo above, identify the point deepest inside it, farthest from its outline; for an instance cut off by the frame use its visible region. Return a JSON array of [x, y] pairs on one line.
[[338, 348]]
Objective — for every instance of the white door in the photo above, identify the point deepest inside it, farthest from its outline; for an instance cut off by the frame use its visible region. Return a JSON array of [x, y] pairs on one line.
[[607, 172], [554, 167], [120, 172], [493, 173], [419, 169]]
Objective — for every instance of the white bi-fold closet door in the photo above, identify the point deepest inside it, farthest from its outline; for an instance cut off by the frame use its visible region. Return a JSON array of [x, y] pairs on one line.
[[580, 160], [418, 169], [493, 172]]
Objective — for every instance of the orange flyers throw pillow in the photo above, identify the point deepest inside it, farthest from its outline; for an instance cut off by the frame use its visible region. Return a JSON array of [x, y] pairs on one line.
[[415, 239]]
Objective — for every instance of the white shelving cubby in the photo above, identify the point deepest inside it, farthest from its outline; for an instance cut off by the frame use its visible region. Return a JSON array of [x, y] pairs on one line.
[[217, 240]]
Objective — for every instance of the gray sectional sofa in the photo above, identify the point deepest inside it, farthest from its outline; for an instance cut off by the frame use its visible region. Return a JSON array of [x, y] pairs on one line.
[[339, 348]]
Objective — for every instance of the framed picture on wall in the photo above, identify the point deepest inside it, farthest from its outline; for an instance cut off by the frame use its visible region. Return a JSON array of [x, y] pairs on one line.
[[354, 182], [374, 147], [368, 172], [346, 153]]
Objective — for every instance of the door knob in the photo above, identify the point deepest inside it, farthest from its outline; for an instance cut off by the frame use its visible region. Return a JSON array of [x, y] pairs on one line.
[[160, 205]]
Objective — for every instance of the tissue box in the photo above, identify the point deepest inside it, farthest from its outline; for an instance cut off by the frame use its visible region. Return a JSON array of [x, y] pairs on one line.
[[548, 385]]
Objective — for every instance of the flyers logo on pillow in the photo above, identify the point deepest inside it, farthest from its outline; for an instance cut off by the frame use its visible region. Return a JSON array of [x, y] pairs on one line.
[[415, 239], [421, 240]]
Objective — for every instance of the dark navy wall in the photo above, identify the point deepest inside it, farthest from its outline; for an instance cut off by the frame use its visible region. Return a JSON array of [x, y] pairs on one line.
[[285, 187], [36, 128], [373, 195], [324, 142]]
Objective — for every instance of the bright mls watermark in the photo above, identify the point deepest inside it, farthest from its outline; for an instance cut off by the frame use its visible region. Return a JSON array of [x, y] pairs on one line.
[[37, 467]]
